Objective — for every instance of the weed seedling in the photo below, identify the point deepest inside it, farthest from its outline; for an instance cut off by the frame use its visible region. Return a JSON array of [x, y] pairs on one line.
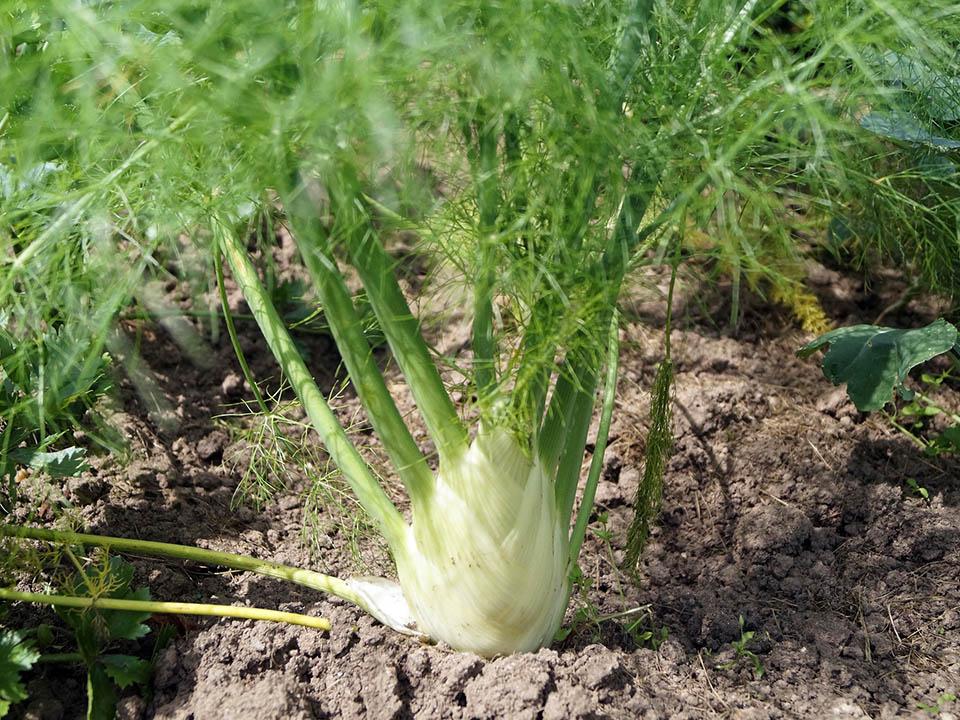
[[935, 708], [918, 489], [645, 633], [95, 633], [740, 647]]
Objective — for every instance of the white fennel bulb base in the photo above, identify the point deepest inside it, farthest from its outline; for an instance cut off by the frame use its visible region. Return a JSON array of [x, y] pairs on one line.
[[485, 568]]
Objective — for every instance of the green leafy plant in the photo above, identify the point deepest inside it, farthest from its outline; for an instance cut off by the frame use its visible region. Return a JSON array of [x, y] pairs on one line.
[[915, 117], [44, 389], [17, 655], [96, 631], [914, 419], [935, 708], [922, 100], [740, 646], [874, 361], [645, 632], [104, 614], [575, 142], [918, 489], [95, 634]]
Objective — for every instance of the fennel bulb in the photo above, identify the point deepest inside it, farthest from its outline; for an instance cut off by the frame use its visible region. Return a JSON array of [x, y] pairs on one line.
[[484, 565]]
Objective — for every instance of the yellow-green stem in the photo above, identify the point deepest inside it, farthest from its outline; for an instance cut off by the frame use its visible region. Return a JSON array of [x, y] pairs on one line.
[[170, 608], [232, 333], [307, 578]]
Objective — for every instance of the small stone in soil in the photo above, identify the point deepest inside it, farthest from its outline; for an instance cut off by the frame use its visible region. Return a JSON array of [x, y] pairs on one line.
[[231, 385], [211, 447], [131, 707], [85, 490]]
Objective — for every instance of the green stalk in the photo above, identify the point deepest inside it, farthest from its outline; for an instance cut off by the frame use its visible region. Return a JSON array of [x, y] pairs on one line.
[[483, 343], [568, 415], [307, 578], [573, 393], [368, 491], [536, 367], [232, 332], [603, 433], [402, 331], [576, 379], [574, 445], [571, 407], [61, 658], [171, 608], [345, 324], [634, 24]]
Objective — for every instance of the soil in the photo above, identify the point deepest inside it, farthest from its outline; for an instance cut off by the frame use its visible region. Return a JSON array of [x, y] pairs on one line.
[[794, 572]]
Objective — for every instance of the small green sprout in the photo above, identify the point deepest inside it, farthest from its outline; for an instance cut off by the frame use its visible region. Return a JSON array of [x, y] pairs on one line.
[[935, 708], [740, 647], [918, 489]]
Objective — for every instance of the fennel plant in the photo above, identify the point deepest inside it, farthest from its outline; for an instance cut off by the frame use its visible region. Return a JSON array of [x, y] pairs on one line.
[[572, 141]]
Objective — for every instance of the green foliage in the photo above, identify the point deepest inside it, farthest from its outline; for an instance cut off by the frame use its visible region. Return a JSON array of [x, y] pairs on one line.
[[46, 385], [905, 128], [69, 462], [646, 633], [191, 108], [126, 670], [742, 649], [935, 708], [916, 417], [157, 115], [659, 444], [96, 630], [948, 441], [914, 173], [46, 379], [918, 489], [17, 655], [874, 361]]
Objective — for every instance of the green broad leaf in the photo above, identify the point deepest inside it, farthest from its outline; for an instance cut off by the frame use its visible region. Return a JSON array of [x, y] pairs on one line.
[[16, 656], [8, 344], [948, 441], [874, 361], [124, 624], [937, 166], [905, 128], [940, 91], [68, 462], [101, 694], [918, 410], [126, 670]]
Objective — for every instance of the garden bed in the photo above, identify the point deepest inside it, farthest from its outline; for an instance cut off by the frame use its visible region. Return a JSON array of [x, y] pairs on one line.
[[794, 572]]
